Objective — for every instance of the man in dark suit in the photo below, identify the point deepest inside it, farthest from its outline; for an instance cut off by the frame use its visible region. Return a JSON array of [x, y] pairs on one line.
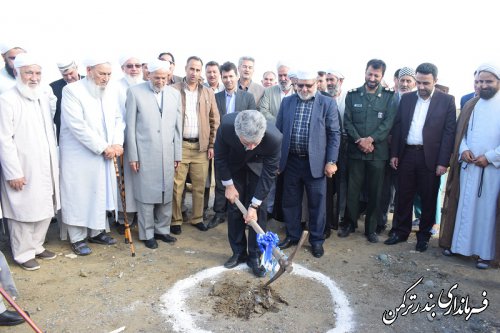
[[422, 143], [69, 72], [311, 138], [230, 100], [247, 153]]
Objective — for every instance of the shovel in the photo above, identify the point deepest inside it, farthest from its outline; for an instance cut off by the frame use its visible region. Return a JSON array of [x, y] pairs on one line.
[[284, 262]]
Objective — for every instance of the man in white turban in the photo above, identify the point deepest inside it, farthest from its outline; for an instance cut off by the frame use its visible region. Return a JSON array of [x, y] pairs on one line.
[[30, 176], [132, 75], [471, 210], [92, 130], [7, 77]]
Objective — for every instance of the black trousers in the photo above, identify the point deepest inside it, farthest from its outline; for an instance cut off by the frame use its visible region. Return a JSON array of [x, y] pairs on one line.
[[245, 182], [415, 178]]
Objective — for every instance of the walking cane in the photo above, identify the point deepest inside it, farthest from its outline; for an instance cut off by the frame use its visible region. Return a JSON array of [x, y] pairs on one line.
[[20, 311], [121, 181]]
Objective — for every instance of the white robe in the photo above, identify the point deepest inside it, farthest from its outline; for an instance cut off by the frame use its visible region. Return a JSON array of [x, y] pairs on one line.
[[28, 149], [475, 222], [6, 81], [88, 180]]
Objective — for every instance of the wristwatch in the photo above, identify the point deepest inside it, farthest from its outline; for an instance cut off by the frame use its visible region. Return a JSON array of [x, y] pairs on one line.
[[254, 206], [331, 162]]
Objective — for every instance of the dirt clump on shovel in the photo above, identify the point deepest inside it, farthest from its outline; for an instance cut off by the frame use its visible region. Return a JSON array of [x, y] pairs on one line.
[[245, 300]]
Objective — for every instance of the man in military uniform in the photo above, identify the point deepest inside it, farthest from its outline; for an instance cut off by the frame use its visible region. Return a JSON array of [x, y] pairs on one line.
[[368, 118]]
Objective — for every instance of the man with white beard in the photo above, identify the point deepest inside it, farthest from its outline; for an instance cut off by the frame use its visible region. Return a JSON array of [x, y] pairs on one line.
[[92, 130], [154, 145], [132, 75], [30, 176]]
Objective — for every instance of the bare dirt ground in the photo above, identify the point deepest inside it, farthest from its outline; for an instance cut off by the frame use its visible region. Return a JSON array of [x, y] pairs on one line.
[[110, 289]]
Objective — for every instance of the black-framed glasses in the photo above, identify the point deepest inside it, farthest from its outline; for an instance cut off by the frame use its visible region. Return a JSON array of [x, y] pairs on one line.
[[307, 85], [133, 65]]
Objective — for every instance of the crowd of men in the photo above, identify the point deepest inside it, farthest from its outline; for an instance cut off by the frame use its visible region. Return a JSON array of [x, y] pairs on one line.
[[266, 145]]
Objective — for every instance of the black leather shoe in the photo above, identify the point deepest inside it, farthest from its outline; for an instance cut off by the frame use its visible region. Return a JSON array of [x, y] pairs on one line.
[[344, 232], [176, 229], [421, 246], [151, 243], [10, 318], [200, 226], [257, 269], [394, 239], [380, 229], [372, 238], [102, 239], [120, 228], [166, 238], [317, 250], [215, 221], [286, 243], [235, 260]]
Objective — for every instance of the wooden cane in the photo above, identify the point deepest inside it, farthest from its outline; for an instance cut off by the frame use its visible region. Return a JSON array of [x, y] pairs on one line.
[[19, 310], [121, 181]]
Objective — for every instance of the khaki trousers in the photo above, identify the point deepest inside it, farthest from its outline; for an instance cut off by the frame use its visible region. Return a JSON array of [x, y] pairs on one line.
[[194, 163]]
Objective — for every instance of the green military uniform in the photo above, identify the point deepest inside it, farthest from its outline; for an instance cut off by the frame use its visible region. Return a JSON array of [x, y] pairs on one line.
[[367, 115]]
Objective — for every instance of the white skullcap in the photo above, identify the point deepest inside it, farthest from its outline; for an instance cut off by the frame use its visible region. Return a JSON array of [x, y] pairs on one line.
[[126, 58], [303, 75], [490, 68], [91, 62], [335, 73], [292, 74], [65, 65], [25, 59], [157, 64], [5, 47]]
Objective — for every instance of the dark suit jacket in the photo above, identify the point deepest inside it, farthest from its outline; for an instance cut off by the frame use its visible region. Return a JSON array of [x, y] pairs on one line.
[[231, 156], [57, 87], [324, 131], [438, 132], [465, 99], [244, 101]]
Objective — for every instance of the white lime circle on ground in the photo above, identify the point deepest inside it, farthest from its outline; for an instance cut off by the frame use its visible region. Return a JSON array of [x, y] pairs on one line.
[[182, 320]]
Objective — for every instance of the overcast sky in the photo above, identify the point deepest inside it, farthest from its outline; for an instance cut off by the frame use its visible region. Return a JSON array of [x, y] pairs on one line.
[[312, 35]]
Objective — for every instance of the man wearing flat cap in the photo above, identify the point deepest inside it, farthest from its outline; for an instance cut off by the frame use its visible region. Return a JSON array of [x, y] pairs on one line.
[[471, 213], [311, 138], [92, 130], [69, 72], [421, 147], [28, 155]]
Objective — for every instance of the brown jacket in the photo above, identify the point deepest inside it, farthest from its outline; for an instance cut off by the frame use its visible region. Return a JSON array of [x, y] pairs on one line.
[[450, 204], [208, 114]]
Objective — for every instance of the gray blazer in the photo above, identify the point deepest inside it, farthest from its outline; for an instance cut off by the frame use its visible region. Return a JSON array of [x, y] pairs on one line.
[[244, 101], [155, 140], [270, 103]]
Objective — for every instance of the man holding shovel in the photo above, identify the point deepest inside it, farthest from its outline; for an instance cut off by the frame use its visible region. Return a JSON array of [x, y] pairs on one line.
[[247, 154]]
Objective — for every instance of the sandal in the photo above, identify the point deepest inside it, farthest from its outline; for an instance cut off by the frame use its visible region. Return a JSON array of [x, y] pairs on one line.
[[482, 264], [81, 248]]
